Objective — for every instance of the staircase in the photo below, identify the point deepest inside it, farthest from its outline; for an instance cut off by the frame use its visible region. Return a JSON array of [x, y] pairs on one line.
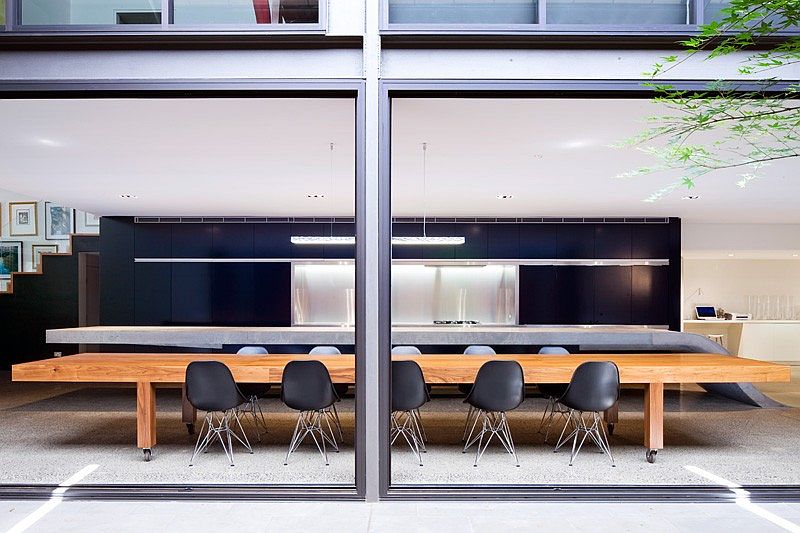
[[34, 302]]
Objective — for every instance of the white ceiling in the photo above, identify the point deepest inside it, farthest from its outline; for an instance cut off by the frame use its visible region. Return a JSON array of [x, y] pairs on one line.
[[254, 157]]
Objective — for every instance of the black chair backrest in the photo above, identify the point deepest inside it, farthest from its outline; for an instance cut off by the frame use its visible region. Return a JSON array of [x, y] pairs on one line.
[[499, 386], [307, 386], [594, 387], [409, 391], [210, 386]]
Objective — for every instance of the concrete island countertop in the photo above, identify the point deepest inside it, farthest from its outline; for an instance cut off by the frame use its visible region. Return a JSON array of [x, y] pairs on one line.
[[603, 337]]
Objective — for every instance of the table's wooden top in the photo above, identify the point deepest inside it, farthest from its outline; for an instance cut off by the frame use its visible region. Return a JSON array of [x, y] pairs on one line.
[[458, 368]]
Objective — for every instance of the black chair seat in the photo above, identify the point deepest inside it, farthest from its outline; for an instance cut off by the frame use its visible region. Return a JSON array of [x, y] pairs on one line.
[[409, 391], [254, 390], [499, 387], [594, 387], [307, 386], [210, 386], [553, 390]]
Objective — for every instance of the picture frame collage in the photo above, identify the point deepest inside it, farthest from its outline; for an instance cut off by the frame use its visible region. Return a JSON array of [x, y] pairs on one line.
[[22, 220]]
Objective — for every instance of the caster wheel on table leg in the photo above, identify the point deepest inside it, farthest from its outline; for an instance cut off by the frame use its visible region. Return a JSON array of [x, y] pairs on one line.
[[651, 456], [190, 428], [610, 428], [148, 454]]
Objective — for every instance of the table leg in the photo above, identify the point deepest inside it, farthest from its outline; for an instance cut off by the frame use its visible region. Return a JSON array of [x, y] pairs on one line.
[[653, 419], [146, 417], [612, 417], [188, 412]]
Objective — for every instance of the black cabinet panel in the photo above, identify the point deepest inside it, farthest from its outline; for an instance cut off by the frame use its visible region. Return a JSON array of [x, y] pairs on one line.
[[405, 251], [341, 251], [153, 301], [612, 300], [475, 241], [503, 241], [538, 295], [272, 240], [232, 294], [153, 240], [575, 288], [650, 241], [612, 241], [575, 241], [192, 240], [437, 251], [191, 294], [309, 230], [272, 294], [232, 241], [650, 301], [537, 241], [116, 271]]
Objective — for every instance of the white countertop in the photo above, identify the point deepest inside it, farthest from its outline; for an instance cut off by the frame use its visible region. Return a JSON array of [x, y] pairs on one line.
[[717, 322]]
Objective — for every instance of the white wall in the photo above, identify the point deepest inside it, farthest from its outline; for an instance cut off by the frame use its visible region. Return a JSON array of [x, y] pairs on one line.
[[726, 283]]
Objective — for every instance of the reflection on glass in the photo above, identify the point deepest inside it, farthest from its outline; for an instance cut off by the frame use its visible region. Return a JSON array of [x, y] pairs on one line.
[[246, 11], [463, 11], [610, 12], [2, 12], [713, 10], [66, 12]]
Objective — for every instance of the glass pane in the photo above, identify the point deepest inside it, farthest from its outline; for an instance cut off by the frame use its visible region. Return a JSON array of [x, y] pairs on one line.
[[246, 11], [712, 10], [612, 12], [63, 12], [2, 12], [463, 12]]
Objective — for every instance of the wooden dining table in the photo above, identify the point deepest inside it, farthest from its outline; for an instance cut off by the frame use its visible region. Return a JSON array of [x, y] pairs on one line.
[[652, 371]]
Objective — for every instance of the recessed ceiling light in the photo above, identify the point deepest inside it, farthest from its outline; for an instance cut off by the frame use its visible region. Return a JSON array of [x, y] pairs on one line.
[[690, 197], [505, 196], [315, 196], [128, 196], [795, 255], [49, 142], [730, 255]]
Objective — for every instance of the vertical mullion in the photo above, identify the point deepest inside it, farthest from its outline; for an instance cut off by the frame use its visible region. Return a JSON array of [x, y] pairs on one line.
[[167, 13], [11, 14], [542, 16], [699, 11]]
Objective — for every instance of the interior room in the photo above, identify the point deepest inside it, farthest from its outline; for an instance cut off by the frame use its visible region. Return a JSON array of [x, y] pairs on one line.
[[231, 225]]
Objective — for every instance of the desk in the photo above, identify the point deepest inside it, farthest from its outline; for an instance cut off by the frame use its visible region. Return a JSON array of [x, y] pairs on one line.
[[650, 370]]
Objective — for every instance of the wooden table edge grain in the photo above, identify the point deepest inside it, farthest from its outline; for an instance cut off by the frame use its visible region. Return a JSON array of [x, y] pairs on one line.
[[651, 370]]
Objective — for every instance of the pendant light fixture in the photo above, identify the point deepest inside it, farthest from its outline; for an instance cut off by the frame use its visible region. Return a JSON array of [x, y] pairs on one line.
[[422, 240]]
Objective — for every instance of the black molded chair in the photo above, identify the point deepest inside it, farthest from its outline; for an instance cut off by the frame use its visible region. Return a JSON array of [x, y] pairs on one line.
[[307, 387], [499, 387], [210, 387], [552, 391], [409, 393], [464, 388], [340, 388], [594, 387], [253, 392]]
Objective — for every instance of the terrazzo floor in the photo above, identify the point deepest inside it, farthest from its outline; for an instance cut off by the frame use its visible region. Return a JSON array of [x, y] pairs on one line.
[[50, 431]]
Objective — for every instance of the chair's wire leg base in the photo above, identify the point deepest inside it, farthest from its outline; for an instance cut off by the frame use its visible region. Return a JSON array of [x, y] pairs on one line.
[[585, 426], [317, 425], [218, 427], [492, 424], [409, 425]]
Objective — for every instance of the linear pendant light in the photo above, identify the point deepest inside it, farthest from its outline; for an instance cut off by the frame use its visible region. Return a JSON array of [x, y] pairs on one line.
[[422, 240], [397, 241]]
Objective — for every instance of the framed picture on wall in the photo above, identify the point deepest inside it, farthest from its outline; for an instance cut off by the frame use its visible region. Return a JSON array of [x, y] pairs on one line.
[[59, 222], [23, 219], [39, 249], [90, 220], [10, 258]]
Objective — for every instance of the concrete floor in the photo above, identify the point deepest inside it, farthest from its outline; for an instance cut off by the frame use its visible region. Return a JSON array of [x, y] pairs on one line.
[[357, 517], [51, 431]]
